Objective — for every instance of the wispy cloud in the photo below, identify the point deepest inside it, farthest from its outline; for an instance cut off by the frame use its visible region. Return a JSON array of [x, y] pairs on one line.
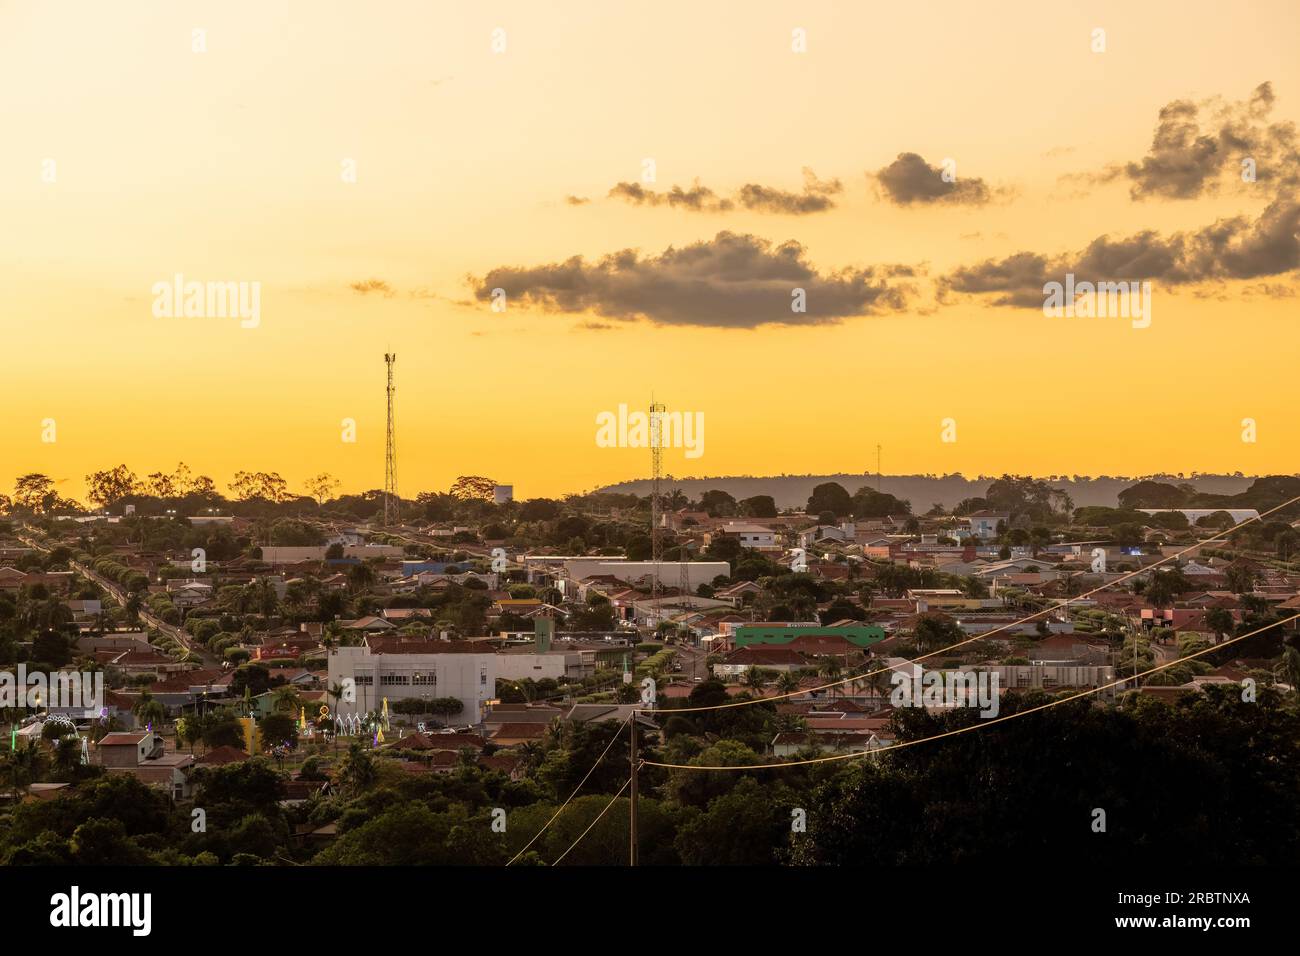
[[372, 287], [815, 197]]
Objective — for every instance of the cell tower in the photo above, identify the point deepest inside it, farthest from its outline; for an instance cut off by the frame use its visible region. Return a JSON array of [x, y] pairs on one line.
[[390, 452], [656, 504]]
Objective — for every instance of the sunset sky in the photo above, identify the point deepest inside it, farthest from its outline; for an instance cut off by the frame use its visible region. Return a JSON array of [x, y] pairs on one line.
[[471, 167]]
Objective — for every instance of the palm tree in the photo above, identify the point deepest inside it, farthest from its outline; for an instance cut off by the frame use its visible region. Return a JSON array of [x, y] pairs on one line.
[[147, 710], [787, 683], [357, 771], [286, 698], [754, 680], [878, 681], [830, 669], [361, 576], [335, 693], [531, 754]]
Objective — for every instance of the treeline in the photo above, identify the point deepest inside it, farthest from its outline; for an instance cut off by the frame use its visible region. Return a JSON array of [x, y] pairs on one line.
[[1036, 783]]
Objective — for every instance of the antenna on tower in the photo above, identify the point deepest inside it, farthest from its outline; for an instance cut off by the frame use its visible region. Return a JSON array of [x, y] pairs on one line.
[[390, 452], [656, 504], [877, 469]]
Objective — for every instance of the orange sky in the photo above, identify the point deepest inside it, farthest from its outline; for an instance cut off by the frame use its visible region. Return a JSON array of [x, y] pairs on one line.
[[226, 165]]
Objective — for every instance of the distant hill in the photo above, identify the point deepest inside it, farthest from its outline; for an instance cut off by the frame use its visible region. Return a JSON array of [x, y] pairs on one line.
[[923, 491]]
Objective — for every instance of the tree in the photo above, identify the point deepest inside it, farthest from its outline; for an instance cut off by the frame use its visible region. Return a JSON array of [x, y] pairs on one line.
[[759, 506], [1240, 577], [870, 503], [446, 707], [222, 730], [260, 486], [107, 488], [746, 827], [830, 496], [718, 504], [1028, 498], [34, 492], [321, 487], [286, 699], [831, 668], [357, 771], [189, 730], [934, 630], [276, 729], [1165, 586], [472, 488], [361, 576], [1219, 620], [159, 485], [1152, 494], [147, 710]]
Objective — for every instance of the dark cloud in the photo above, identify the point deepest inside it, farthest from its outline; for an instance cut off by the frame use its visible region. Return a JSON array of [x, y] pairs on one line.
[[576, 200], [697, 199], [1236, 248], [729, 281], [1197, 147], [910, 179], [368, 286], [816, 197]]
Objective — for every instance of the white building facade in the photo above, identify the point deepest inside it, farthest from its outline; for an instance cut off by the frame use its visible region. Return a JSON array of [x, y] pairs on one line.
[[468, 675]]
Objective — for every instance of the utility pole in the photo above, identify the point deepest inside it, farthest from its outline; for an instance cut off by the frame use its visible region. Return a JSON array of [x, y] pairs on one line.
[[632, 850]]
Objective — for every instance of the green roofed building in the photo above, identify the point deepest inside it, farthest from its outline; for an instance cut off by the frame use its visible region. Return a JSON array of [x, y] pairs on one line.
[[776, 635]]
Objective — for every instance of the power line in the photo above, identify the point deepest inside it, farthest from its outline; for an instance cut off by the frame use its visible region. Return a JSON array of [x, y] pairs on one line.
[[574, 794], [983, 723], [593, 822], [943, 650]]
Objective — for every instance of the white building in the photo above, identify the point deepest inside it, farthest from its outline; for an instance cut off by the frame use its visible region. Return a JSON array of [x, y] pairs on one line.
[[395, 668], [639, 573], [750, 535], [984, 524]]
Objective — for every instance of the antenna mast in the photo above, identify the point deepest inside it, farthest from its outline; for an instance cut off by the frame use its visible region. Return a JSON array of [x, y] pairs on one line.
[[390, 452], [656, 504]]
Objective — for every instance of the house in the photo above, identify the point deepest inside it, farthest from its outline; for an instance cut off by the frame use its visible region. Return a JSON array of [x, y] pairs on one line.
[[735, 593], [839, 534], [137, 663], [143, 756], [12, 580], [984, 524], [220, 756], [749, 535], [510, 735]]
